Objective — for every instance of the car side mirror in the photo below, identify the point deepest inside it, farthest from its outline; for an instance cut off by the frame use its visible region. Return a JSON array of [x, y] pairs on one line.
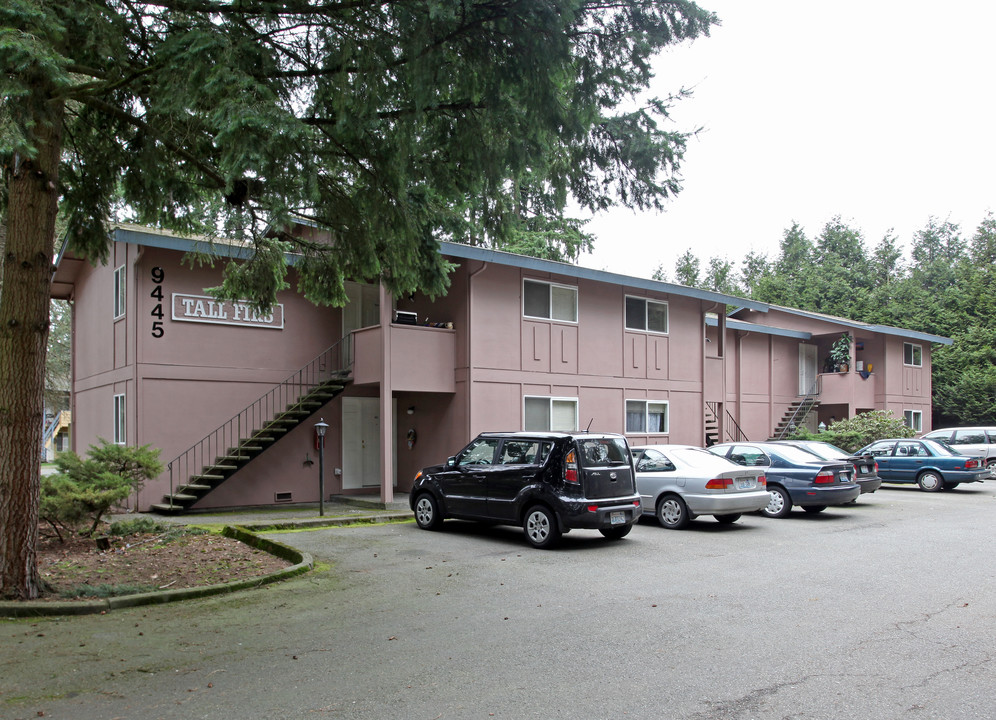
[[451, 461]]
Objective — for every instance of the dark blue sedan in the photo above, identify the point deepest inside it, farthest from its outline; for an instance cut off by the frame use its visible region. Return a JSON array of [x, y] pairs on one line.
[[795, 477], [929, 464]]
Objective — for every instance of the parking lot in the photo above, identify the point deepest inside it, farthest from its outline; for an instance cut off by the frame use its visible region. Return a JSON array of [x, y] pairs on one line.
[[884, 609]]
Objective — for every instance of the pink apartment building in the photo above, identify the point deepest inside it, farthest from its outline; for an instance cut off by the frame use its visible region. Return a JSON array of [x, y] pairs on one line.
[[232, 398]]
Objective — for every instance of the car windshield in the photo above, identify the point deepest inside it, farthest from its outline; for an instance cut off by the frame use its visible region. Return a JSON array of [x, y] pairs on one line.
[[794, 454], [698, 458], [603, 451], [938, 448], [824, 451]]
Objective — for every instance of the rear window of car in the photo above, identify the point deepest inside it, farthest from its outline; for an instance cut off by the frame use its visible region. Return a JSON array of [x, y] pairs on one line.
[[601, 452], [795, 455]]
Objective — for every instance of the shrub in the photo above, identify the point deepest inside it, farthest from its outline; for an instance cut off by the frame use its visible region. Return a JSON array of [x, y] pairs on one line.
[[83, 491], [854, 433]]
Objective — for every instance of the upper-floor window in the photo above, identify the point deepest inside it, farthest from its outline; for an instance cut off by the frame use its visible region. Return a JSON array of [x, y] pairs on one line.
[[549, 301], [646, 416], [646, 315], [120, 430], [912, 355], [543, 414], [913, 419], [119, 292]]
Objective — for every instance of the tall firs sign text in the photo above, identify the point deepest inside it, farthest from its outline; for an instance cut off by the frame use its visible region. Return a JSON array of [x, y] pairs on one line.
[[203, 309]]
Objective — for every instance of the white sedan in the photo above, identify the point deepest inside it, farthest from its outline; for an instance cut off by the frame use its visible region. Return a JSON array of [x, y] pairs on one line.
[[679, 482]]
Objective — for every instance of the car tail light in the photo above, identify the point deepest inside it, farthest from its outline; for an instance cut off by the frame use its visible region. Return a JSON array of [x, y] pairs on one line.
[[571, 468], [824, 477], [876, 467], [969, 464], [592, 508], [719, 484], [762, 481]]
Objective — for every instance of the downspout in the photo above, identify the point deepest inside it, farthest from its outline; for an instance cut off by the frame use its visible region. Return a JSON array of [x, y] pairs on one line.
[[470, 342], [386, 400], [134, 401]]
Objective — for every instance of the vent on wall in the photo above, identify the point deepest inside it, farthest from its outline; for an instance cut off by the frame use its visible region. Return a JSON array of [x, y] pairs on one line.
[[282, 497]]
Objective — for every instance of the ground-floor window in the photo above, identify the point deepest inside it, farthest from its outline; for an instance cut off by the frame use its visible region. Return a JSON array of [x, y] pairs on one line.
[[549, 413], [646, 416], [913, 419], [120, 431]]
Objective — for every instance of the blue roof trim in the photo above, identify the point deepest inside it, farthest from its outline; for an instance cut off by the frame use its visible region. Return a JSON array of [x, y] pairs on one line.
[[500, 257], [855, 325], [218, 248], [762, 329]]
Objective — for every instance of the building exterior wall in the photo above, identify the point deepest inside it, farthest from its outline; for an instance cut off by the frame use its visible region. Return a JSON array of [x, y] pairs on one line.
[[438, 386]]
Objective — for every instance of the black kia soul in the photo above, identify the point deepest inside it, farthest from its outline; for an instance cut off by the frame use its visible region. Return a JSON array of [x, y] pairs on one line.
[[549, 483]]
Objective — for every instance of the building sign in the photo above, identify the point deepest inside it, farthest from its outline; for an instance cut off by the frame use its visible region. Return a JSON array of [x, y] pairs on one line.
[[204, 309]]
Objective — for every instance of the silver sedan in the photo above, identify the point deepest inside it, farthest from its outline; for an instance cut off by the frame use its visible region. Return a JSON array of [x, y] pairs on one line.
[[679, 482]]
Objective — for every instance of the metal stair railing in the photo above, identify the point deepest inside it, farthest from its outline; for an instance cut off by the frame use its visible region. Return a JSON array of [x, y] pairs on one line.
[[739, 435], [50, 431], [251, 420], [807, 403]]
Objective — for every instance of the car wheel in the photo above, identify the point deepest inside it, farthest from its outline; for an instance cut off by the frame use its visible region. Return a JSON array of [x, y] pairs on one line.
[[541, 528], [779, 504], [616, 533], [930, 481], [427, 514], [814, 508], [672, 512], [727, 519]]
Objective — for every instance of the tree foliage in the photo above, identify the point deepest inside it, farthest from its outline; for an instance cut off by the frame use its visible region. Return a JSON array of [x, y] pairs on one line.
[[944, 286], [388, 126]]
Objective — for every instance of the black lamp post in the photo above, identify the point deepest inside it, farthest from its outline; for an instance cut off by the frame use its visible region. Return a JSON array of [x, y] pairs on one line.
[[320, 427]]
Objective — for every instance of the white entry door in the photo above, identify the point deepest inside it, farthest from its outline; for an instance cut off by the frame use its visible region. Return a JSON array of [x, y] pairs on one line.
[[361, 443], [807, 368]]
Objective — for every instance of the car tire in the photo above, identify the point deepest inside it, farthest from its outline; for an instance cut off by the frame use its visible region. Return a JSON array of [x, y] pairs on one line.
[[930, 481], [727, 519], [814, 509], [672, 512], [540, 526], [616, 533], [779, 505], [427, 515]]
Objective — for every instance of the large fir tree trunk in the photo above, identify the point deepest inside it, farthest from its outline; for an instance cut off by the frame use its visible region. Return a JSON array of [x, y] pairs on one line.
[[24, 316]]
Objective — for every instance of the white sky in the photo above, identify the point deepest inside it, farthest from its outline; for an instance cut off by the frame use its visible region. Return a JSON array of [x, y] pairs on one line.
[[880, 111]]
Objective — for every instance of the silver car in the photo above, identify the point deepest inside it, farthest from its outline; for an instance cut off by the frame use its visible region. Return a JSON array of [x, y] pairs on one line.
[[679, 482], [977, 442]]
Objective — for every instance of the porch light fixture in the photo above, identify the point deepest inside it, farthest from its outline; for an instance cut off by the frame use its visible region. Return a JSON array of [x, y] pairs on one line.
[[320, 428]]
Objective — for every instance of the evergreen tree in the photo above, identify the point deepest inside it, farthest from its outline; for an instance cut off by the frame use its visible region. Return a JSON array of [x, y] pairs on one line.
[[686, 271], [389, 125]]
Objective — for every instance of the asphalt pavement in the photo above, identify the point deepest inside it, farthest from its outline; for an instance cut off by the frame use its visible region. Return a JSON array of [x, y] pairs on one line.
[[883, 610]]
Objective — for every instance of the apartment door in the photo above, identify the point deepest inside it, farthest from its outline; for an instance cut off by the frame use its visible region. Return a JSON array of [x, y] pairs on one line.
[[361, 443], [807, 368]]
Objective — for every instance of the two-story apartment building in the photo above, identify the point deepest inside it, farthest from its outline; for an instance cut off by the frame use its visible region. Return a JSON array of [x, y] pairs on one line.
[[232, 398]]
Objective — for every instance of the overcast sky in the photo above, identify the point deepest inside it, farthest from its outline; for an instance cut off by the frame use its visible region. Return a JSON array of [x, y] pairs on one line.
[[880, 111]]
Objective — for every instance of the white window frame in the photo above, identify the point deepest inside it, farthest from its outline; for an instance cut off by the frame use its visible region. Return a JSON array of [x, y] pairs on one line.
[[120, 292], [913, 419], [646, 416], [916, 349], [120, 422], [551, 400], [646, 315], [550, 287]]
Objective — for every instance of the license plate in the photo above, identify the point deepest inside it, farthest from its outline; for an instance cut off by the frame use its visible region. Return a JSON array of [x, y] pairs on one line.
[[744, 483], [617, 518], [864, 469], [844, 477]]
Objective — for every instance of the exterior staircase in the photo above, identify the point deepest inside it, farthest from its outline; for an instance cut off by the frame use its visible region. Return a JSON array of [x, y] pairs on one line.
[[734, 432], [220, 455], [794, 417]]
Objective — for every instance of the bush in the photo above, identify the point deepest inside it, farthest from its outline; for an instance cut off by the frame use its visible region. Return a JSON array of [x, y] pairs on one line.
[[83, 491], [854, 433]]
